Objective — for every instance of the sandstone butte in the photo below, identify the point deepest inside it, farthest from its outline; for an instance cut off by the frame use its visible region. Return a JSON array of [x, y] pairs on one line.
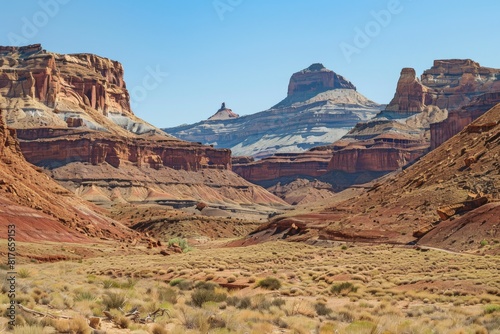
[[450, 198], [72, 117], [423, 114]]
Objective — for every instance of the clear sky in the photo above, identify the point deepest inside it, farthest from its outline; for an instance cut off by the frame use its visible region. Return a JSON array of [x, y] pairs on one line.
[[182, 58]]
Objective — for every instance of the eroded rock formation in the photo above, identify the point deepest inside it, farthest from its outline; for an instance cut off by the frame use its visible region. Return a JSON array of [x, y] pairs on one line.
[[73, 117], [317, 78], [321, 106]]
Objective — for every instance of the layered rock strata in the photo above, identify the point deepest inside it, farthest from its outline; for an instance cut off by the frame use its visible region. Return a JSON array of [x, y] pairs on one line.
[[321, 106], [72, 115], [448, 199]]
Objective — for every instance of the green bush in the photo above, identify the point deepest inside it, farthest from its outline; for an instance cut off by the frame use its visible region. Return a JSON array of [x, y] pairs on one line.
[[344, 287], [322, 309], [491, 308], [182, 283], [269, 283], [113, 300], [278, 302], [84, 295], [181, 242], [23, 273], [201, 296]]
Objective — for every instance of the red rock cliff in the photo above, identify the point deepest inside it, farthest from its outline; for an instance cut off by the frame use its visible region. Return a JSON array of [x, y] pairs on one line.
[[62, 80], [49, 147]]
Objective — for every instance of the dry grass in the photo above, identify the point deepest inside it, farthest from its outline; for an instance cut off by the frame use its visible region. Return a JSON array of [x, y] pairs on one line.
[[351, 289]]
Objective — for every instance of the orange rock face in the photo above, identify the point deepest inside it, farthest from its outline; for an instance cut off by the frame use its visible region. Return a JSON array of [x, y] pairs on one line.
[[280, 165], [83, 79], [448, 84], [459, 119]]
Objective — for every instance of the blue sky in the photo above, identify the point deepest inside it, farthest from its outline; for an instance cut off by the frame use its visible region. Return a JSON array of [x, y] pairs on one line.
[[195, 54]]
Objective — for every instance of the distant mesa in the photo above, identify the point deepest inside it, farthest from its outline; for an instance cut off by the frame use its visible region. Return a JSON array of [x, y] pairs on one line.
[[223, 113], [317, 78]]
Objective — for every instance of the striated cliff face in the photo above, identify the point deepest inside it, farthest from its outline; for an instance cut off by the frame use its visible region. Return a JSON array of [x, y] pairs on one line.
[[411, 95], [459, 119], [282, 165], [52, 148], [73, 118]]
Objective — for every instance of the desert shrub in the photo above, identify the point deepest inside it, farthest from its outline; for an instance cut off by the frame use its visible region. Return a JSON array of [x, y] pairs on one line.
[[244, 303], [109, 283], [129, 284], [181, 242], [167, 295], [175, 281], [182, 283], [158, 329], [344, 287], [345, 316], [280, 322], [269, 283], [113, 300], [206, 285], [76, 325], [84, 295], [122, 321], [491, 309], [201, 296], [28, 329], [23, 273], [232, 300], [322, 309], [278, 302]]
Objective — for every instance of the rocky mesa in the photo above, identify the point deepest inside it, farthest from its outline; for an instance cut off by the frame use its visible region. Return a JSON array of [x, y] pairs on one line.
[[73, 118], [321, 106]]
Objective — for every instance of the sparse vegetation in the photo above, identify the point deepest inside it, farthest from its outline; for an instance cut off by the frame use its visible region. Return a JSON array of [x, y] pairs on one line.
[[363, 289]]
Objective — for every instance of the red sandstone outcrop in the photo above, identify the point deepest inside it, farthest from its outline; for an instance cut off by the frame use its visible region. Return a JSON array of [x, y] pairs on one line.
[[448, 84], [281, 165], [51, 147], [316, 78], [53, 79]]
